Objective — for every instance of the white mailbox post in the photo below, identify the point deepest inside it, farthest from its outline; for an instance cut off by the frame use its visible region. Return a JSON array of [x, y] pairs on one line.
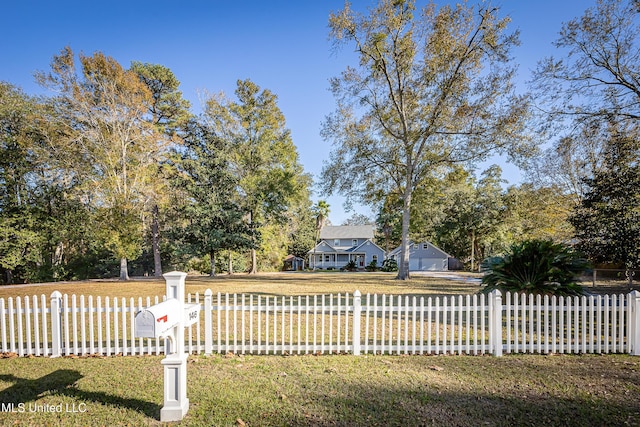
[[168, 320]]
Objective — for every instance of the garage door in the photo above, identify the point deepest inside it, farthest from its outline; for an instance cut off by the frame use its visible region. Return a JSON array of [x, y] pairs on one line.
[[426, 264]]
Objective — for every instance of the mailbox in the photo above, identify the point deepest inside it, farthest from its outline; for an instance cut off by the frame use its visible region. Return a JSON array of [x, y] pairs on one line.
[[191, 314], [157, 320]]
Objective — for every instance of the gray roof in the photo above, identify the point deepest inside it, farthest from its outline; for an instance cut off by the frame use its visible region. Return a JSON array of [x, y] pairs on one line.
[[347, 232]]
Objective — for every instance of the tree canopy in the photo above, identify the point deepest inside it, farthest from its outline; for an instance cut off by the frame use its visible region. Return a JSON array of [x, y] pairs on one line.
[[432, 88]]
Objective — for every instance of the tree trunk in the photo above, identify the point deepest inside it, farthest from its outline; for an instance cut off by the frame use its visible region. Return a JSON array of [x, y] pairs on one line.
[[403, 267], [473, 249], [254, 258], [9, 276], [155, 241], [124, 273], [230, 269], [254, 262], [212, 260]]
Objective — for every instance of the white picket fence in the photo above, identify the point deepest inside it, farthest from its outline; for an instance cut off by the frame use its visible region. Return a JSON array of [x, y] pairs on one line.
[[328, 324]]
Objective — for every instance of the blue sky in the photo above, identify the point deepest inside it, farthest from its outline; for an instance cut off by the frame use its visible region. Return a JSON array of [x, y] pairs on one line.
[[280, 45]]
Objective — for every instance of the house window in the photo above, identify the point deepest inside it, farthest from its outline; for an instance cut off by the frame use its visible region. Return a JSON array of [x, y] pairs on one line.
[[336, 242], [354, 242], [327, 258], [375, 258], [425, 246]]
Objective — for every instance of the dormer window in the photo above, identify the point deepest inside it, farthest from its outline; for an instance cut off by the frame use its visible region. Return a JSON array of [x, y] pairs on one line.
[[336, 242], [354, 242]]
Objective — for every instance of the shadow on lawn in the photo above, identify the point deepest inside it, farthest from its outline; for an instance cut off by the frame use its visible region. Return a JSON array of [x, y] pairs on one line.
[[63, 382]]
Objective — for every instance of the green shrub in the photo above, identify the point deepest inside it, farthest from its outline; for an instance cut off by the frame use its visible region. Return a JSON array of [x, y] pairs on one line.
[[389, 265], [373, 266], [351, 266], [536, 266]]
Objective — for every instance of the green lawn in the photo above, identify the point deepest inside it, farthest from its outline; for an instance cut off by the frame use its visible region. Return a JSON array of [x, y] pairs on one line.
[[319, 390], [329, 390]]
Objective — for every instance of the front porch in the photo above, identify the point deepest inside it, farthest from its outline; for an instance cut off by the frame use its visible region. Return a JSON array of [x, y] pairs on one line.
[[336, 261]]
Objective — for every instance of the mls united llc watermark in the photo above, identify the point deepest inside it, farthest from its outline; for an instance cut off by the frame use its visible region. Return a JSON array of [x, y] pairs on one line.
[[20, 408]]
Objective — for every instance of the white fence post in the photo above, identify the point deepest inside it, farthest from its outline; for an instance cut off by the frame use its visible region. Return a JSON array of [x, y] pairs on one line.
[[208, 322], [634, 329], [357, 310], [495, 333], [56, 324]]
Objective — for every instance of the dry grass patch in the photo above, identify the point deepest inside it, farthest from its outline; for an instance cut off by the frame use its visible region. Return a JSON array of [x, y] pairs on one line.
[[265, 284]]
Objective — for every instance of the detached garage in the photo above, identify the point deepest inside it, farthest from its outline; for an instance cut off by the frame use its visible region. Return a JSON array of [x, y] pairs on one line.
[[424, 257]]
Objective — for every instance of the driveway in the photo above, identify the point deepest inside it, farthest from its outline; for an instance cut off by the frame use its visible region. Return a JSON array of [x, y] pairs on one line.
[[451, 275]]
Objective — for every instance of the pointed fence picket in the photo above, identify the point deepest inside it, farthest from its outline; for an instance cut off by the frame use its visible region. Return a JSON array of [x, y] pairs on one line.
[[64, 325]]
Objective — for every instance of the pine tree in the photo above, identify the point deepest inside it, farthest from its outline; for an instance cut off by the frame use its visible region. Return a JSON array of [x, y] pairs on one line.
[[213, 220], [607, 222]]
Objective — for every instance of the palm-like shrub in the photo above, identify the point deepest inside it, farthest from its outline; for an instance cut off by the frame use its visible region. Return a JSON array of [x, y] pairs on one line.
[[538, 267]]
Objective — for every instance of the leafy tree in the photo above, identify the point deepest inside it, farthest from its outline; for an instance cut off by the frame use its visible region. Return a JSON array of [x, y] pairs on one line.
[[261, 154], [19, 239], [358, 219], [536, 266], [389, 223], [607, 222], [596, 76], [168, 112], [432, 88], [594, 80], [213, 219], [302, 230], [537, 213], [47, 233], [471, 216], [107, 143]]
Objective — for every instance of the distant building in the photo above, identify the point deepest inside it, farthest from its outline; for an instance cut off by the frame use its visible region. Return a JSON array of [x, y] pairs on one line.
[[425, 257], [341, 244], [293, 263]]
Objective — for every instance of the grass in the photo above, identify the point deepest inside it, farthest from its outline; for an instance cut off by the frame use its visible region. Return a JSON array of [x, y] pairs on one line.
[[318, 391], [264, 284], [330, 390]]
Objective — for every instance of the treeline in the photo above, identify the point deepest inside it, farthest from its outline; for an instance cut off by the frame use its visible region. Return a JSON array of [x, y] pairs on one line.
[[115, 173], [433, 96], [473, 218]]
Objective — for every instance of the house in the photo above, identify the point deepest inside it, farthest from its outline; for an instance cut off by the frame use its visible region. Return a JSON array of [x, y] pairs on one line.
[[424, 257], [341, 244]]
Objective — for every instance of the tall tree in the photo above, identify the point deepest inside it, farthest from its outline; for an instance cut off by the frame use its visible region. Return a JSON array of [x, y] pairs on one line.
[[429, 91], [168, 112], [537, 213], [607, 222], [597, 75], [321, 211], [261, 153], [18, 234], [593, 80], [213, 219], [107, 143], [462, 214], [302, 230]]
